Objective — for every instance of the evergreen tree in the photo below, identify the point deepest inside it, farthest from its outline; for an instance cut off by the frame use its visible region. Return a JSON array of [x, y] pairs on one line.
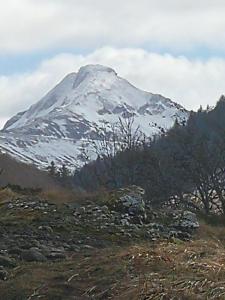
[[52, 170], [64, 174]]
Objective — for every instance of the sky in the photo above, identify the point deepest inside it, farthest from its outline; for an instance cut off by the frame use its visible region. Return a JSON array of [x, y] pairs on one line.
[[171, 47]]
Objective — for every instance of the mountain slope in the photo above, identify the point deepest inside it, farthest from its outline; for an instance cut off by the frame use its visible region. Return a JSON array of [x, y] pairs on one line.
[[26, 176], [75, 111]]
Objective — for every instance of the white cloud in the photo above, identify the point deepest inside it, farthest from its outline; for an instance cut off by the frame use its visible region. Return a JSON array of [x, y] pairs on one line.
[[27, 25], [189, 82]]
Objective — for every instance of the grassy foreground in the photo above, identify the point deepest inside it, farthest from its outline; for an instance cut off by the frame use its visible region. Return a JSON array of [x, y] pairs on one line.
[[118, 270], [161, 270]]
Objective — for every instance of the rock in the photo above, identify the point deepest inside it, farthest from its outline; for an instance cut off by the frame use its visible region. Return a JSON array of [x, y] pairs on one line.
[[88, 247], [181, 235], [33, 255], [187, 220], [7, 262], [131, 201], [46, 228], [125, 222], [133, 198], [105, 209], [156, 226], [3, 274], [74, 248], [3, 247], [15, 250], [56, 256], [80, 210]]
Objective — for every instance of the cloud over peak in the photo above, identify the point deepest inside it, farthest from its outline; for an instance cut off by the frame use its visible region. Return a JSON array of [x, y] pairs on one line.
[[30, 25], [189, 82]]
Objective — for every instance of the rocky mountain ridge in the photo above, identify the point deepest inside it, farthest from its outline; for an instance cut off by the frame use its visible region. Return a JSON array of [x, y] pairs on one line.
[[77, 110]]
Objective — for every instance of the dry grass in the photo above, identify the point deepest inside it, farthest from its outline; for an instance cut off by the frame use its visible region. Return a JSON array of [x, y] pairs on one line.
[[178, 271], [163, 270], [24, 175], [140, 271], [6, 194], [63, 195], [210, 233], [58, 196]]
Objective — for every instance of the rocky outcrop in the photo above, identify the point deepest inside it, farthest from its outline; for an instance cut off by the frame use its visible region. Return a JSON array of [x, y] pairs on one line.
[[34, 230], [33, 254], [186, 220], [130, 201], [5, 261]]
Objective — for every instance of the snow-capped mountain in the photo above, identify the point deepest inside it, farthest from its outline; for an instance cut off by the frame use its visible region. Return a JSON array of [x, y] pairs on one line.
[[61, 124]]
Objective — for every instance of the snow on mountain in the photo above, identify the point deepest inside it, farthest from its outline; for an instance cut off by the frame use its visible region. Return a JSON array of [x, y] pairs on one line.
[[62, 123]]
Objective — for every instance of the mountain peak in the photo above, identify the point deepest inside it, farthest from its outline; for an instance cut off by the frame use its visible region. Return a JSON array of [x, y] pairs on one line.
[[95, 68], [75, 110], [91, 73]]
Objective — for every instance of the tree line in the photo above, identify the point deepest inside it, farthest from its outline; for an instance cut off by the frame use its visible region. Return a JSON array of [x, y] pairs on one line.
[[184, 166]]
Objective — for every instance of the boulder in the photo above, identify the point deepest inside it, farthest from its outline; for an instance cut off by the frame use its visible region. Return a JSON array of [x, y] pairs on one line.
[[131, 200], [46, 228], [186, 220], [7, 262], [33, 255], [56, 256], [3, 274], [15, 251]]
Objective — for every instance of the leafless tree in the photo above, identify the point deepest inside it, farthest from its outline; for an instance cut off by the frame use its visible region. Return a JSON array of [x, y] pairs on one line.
[[111, 140], [120, 136]]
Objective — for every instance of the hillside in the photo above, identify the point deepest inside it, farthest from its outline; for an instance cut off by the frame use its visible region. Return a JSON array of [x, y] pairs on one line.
[[184, 166], [93, 251], [162, 241], [23, 175]]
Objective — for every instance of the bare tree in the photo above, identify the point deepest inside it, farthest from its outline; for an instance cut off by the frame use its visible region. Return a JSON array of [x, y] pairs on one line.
[[120, 136], [112, 140], [130, 134]]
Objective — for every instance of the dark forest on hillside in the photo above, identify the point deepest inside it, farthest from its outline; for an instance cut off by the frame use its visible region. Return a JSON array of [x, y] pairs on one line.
[[187, 162]]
